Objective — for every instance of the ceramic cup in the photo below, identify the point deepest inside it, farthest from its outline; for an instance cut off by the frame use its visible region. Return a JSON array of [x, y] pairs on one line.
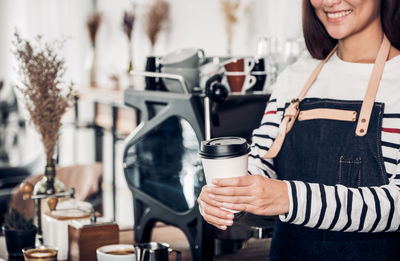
[[190, 75], [240, 81], [184, 58], [224, 157], [261, 78], [151, 66], [239, 65], [40, 253], [260, 74], [116, 252]]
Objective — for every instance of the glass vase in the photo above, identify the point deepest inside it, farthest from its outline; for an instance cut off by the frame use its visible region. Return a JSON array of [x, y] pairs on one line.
[[91, 67], [130, 57], [48, 185]]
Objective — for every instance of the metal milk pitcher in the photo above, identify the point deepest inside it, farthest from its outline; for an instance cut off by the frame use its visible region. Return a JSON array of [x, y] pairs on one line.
[[154, 251]]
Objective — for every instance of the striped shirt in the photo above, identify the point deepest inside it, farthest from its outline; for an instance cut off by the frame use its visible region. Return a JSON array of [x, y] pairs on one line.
[[337, 208]]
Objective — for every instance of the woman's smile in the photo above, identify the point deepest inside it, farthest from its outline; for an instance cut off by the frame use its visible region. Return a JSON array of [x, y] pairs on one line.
[[337, 16], [344, 18]]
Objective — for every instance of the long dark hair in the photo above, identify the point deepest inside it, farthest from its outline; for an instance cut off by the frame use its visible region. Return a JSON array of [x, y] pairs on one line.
[[318, 41]]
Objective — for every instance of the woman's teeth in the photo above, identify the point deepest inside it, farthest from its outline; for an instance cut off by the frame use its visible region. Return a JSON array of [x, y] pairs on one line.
[[338, 14]]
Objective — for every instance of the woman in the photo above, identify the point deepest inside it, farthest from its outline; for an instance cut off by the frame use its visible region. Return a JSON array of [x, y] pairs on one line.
[[338, 193]]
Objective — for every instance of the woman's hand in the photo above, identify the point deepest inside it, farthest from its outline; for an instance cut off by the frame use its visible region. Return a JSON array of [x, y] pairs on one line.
[[213, 214], [254, 194]]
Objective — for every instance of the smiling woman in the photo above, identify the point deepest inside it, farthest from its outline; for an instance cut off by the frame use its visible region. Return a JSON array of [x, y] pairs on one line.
[[347, 17], [334, 180]]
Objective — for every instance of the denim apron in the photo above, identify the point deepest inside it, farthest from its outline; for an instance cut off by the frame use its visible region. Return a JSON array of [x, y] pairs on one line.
[[327, 151]]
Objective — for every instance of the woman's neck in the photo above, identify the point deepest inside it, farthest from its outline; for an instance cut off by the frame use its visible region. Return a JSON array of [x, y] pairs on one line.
[[361, 47]]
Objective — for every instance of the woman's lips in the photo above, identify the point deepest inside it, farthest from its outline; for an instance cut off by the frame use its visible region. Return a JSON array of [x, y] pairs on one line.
[[338, 16]]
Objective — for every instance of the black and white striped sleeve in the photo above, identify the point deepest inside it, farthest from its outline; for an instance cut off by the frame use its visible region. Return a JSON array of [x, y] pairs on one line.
[[262, 139], [339, 208]]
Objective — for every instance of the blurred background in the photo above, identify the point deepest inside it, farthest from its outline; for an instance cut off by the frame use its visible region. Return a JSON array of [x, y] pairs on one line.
[[190, 23]]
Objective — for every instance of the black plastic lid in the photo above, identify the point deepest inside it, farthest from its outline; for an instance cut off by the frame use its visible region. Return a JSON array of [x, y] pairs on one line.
[[224, 147]]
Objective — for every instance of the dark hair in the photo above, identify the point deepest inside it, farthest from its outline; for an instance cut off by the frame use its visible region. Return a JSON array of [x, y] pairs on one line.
[[318, 41]]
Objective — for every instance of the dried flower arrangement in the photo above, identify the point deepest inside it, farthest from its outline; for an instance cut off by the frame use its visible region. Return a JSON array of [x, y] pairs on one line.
[[127, 25], [156, 16], [93, 23], [47, 97], [229, 9]]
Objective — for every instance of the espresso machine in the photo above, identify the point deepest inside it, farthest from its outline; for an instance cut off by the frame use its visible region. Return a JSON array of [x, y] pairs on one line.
[[163, 169]]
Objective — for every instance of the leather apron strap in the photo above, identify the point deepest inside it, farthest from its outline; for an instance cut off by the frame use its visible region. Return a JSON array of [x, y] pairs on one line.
[[292, 110]]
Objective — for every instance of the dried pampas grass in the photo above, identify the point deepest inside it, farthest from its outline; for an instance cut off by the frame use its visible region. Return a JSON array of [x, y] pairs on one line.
[[93, 23], [47, 97], [230, 9], [128, 23], [156, 16]]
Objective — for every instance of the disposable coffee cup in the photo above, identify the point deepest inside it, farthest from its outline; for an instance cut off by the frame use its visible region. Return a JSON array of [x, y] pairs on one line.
[[224, 157]]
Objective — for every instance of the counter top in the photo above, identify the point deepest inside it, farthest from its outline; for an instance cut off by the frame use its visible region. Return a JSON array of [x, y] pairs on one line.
[[254, 249]]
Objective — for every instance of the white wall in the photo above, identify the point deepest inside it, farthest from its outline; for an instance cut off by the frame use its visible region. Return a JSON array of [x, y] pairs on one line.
[[193, 23]]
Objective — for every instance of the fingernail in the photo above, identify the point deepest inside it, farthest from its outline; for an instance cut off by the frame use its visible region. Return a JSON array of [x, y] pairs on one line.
[[211, 195], [223, 227], [230, 215], [215, 181], [228, 222], [209, 189]]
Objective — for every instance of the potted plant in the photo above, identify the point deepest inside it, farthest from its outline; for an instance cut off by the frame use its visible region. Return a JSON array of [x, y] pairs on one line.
[[19, 232]]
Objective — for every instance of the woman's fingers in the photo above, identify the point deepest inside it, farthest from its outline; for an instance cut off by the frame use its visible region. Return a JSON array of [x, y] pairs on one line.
[[217, 217], [216, 220], [235, 182], [253, 194], [213, 214], [238, 207], [229, 191], [205, 197], [217, 212], [241, 186], [229, 199]]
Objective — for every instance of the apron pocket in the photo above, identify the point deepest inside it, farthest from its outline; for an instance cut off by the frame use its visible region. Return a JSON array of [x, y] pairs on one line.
[[349, 172]]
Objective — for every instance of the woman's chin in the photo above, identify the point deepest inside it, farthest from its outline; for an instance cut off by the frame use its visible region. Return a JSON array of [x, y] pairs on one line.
[[338, 34]]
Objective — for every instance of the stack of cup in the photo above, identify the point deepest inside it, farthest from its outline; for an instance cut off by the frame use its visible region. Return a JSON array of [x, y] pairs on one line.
[[238, 74], [183, 62], [259, 72]]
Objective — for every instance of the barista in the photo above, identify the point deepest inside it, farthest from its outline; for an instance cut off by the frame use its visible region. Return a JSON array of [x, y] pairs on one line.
[[328, 163]]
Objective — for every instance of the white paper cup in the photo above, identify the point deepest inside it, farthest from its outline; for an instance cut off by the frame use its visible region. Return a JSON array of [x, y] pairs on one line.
[[224, 157], [224, 168]]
